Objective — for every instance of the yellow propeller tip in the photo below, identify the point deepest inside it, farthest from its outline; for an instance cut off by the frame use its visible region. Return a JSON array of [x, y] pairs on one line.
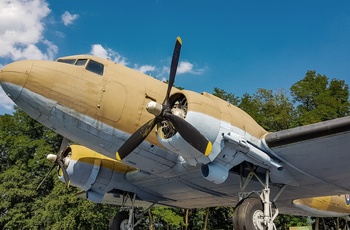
[[117, 156], [208, 149], [179, 40]]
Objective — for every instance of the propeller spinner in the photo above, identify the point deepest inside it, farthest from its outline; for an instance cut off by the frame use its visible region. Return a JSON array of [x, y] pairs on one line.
[[163, 112]]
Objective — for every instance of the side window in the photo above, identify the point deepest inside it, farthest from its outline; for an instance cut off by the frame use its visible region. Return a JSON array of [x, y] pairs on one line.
[[68, 61], [95, 67], [81, 62]]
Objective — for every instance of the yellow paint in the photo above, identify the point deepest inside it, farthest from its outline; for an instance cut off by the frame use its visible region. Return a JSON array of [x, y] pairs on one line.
[[336, 203], [321, 203], [208, 149], [179, 40], [117, 156], [88, 156]]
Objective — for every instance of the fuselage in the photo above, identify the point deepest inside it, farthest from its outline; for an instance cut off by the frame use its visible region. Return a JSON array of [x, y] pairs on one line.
[[100, 110]]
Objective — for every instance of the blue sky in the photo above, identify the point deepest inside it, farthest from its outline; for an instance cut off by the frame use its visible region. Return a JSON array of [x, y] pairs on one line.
[[238, 46]]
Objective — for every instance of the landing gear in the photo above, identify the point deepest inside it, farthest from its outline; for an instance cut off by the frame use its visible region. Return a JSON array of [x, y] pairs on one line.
[[128, 220], [120, 221], [255, 210], [249, 215]]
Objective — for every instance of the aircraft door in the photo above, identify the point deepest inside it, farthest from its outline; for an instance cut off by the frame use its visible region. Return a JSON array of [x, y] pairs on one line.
[[112, 102], [88, 93]]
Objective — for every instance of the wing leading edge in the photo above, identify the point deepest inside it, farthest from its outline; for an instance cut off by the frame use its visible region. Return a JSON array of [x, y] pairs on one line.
[[304, 133]]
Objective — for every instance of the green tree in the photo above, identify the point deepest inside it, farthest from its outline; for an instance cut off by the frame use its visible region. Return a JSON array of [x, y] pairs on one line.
[[220, 218], [319, 99], [284, 222], [167, 218], [197, 218], [272, 109], [24, 145], [229, 97], [62, 209]]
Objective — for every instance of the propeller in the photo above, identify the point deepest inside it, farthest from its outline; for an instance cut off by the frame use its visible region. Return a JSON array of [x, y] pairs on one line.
[[58, 160], [163, 112]]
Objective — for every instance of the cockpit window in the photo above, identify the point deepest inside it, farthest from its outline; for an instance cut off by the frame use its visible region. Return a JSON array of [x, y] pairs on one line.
[[92, 65], [81, 62], [68, 61], [95, 67]]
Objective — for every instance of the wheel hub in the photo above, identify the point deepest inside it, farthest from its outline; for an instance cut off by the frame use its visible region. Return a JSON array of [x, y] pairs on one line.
[[124, 225], [258, 220]]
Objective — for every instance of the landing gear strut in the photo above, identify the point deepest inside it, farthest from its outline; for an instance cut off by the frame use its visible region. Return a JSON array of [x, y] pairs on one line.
[[125, 220], [256, 213]]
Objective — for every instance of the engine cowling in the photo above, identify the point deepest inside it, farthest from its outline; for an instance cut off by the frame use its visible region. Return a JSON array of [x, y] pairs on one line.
[[325, 206], [189, 106], [88, 169]]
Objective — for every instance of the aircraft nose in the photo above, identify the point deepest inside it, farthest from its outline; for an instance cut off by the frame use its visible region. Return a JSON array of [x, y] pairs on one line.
[[13, 77]]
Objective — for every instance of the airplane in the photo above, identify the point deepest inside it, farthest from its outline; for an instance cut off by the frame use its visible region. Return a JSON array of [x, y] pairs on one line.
[[143, 142]]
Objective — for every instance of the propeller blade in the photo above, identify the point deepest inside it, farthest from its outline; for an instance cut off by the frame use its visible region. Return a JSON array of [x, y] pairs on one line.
[[173, 68], [47, 174], [185, 129], [190, 134], [64, 144], [65, 174], [136, 139], [56, 159]]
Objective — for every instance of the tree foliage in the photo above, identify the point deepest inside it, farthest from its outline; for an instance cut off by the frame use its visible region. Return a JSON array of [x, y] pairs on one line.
[[24, 144], [164, 218], [272, 109], [319, 99], [229, 97]]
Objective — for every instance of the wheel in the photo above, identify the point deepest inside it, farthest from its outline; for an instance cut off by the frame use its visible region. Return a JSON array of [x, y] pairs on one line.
[[249, 215], [119, 221]]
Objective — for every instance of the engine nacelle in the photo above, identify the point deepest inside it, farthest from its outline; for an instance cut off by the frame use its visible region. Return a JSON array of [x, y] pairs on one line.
[[325, 206], [214, 173], [87, 168], [186, 105]]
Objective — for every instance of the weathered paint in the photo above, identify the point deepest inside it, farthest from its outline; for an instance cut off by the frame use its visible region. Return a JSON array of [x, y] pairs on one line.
[[82, 154], [324, 206], [119, 97]]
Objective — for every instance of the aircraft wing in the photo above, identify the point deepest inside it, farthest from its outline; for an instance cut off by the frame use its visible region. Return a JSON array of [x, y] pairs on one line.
[[316, 155]]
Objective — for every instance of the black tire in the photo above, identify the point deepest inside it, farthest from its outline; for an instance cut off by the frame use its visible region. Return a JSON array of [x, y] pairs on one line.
[[247, 215], [235, 219], [119, 221]]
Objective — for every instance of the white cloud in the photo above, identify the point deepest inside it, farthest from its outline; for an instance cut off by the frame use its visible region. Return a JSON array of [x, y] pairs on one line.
[[161, 73], [5, 101], [145, 68], [187, 67], [68, 18], [21, 30], [184, 67], [99, 51]]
